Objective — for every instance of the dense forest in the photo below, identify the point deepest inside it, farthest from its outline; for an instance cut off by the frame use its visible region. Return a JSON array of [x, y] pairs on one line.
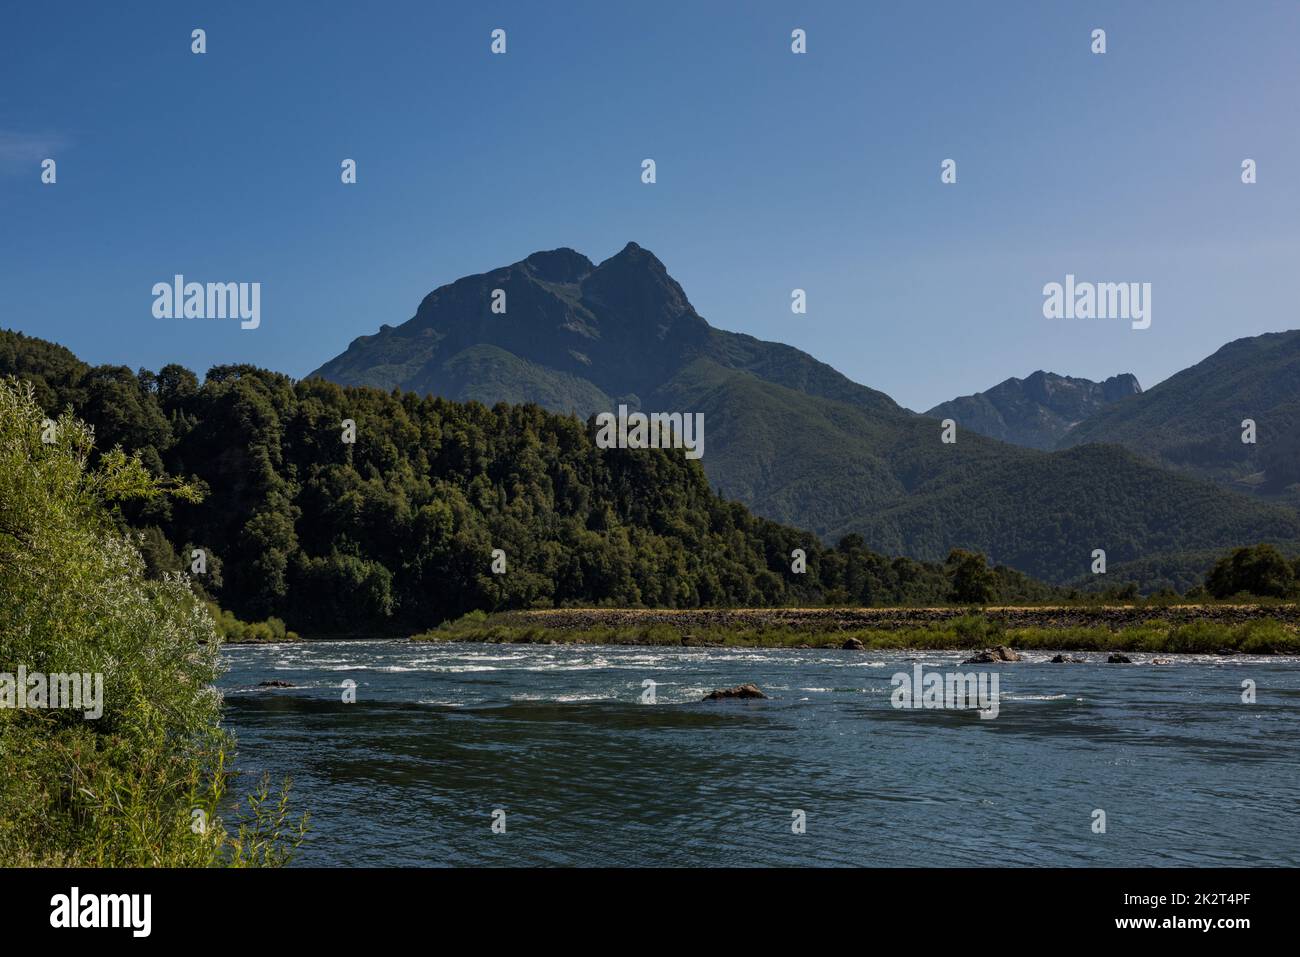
[[396, 530]]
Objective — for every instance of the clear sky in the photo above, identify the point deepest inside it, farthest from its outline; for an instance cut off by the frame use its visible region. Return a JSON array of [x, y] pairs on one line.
[[775, 171]]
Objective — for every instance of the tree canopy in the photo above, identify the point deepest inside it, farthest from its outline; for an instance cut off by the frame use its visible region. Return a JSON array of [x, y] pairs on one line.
[[396, 530]]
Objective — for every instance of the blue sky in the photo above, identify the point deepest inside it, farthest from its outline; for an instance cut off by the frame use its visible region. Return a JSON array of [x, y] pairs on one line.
[[775, 171]]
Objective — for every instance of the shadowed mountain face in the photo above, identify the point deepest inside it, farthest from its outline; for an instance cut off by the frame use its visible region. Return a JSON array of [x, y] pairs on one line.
[[1035, 412], [788, 435], [574, 337]]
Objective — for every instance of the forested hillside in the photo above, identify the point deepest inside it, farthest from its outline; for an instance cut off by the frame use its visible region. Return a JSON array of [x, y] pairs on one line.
[[396, 530], [794, 439], [1192, 422]]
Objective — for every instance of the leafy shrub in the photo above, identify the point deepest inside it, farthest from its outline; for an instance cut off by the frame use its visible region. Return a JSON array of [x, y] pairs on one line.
[[121, 790]]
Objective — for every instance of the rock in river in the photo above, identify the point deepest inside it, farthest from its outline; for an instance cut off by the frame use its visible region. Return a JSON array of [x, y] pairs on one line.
[[740, 691], [274, 684], [992, 656], [1118, 659]]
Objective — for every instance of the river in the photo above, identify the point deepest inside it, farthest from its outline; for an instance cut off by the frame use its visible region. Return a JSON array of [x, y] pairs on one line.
[[554, 742]]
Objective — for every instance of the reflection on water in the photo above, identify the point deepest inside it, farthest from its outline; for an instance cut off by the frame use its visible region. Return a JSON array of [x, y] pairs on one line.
[[441, 736]]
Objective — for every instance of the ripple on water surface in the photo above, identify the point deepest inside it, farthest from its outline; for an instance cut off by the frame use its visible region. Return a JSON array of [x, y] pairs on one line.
[[557, 736]]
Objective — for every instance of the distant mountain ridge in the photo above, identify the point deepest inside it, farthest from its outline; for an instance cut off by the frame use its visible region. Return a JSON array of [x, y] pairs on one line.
[[1035, 412], [788, 435]]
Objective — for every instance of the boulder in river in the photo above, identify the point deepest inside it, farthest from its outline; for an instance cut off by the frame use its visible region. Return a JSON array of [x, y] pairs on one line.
[[1066, 660], [852, 644], [993, 656], [740, 691], [274, 684], [1162, 661], [1118, 659]]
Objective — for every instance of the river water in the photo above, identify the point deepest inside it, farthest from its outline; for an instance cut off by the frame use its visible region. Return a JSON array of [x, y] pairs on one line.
[[555, 742]]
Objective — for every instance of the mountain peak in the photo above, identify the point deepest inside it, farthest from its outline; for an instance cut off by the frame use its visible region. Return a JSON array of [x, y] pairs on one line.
[[635, 255], [1121, 386], [561, 265], [637, 290]]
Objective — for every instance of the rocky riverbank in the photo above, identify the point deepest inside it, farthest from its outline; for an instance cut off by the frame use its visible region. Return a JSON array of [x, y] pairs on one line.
[[1199, 628], [849, 619]]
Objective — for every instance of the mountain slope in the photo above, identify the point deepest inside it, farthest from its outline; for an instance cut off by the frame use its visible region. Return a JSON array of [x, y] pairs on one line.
[[1192, 420], [788, 435], [891, 480], [1093, 496], [1038, 411], [624, 327]]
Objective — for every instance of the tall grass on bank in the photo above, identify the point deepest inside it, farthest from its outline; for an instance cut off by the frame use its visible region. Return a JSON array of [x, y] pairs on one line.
[[146, 783], [975, 630], [233, 631]]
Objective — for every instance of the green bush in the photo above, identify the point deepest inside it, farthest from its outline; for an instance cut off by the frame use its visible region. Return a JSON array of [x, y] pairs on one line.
[[231, 629], [121, 790]]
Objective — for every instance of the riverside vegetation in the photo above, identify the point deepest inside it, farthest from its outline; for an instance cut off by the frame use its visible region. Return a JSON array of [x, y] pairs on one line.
[[1168, 628], [1248, 605], [147, 783], [393, 533]]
